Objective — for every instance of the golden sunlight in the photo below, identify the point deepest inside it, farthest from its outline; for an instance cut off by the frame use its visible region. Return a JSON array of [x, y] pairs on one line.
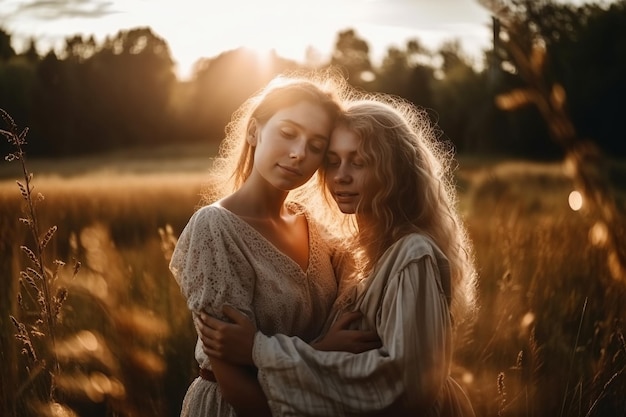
[[263, 27]]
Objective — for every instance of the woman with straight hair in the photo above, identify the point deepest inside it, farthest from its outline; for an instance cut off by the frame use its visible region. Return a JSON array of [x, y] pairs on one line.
[[253, 246]]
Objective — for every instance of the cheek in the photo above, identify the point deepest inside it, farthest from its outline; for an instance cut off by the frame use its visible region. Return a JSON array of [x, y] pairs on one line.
[[367, 182], [369, 187], [314, 162]]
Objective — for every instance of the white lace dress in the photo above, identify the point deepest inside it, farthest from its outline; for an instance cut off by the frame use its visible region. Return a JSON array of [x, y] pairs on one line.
[[220, 259]]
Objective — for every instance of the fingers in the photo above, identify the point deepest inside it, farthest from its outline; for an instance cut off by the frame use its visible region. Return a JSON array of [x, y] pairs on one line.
[[368, 336], [206, 321], [200, 325], [235, 315], [210, 348], [230, 340], [210, 331], [364, 347], [362, 336], [347, 318]]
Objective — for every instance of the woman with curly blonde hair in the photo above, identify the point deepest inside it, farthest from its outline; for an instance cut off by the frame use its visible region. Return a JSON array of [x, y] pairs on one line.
[[414, 278]]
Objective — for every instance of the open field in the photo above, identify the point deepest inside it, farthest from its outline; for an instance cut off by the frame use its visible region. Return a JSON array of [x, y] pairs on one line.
[[548, 340]]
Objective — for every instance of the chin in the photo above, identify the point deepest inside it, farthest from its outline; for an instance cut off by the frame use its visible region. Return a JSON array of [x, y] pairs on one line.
[[346, 209]]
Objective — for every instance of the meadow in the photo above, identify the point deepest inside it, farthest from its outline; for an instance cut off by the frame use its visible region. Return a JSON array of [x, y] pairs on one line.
[[547, 341]]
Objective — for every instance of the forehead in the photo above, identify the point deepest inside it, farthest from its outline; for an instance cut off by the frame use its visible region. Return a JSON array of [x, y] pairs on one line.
[[344, 141], [307, 115]]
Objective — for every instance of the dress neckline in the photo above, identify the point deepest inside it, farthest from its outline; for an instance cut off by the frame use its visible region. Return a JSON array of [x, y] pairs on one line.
[[260, 236]]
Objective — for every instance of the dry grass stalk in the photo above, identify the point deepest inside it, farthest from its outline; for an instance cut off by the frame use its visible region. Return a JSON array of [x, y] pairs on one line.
[[66, 366], [40, 298]]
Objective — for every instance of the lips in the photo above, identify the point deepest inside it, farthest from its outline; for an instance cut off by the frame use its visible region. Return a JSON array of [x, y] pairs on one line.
[[344, 196], [290, 170]]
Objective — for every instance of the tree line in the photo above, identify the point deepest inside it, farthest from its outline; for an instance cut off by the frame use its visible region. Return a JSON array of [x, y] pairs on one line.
[[123, 92]]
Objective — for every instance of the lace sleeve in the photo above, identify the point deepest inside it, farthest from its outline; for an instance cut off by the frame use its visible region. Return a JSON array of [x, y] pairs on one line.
[[210, 267]]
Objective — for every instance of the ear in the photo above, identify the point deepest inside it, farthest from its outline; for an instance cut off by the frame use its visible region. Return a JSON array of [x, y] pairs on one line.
[[252, 132]]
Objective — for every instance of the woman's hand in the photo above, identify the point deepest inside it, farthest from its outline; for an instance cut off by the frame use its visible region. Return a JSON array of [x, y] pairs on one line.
[[230, 342], [341, 338]]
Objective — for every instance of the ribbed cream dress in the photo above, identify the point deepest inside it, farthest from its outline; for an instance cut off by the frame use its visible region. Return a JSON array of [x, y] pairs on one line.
[[220, 259], [406, 301]]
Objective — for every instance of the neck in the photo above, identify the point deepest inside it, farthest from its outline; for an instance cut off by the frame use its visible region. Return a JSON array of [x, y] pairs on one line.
[[365, 222], [259, 202]]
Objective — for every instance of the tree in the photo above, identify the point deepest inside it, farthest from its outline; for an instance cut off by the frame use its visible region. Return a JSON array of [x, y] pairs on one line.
[[408, 73], [585, 54], [590, 65], [6, 50], [54, 109], [17, 81], [460, 98], [31, 53], [221, 84], [79, 49], [351, 54], [104, 97], [133, 73]]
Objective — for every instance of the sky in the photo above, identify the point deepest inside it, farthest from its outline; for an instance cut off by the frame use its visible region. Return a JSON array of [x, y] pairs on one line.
[[197, 29]]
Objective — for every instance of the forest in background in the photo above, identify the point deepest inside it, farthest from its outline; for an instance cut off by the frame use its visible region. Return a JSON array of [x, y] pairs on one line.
[[123, 92]]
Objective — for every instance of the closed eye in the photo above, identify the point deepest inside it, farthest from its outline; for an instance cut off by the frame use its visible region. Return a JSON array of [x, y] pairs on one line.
[[317, 149], [288, 133]]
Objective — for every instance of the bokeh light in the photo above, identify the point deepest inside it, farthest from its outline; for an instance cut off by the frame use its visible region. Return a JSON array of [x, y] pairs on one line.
[[598, 234], [575, 200], [527, 320]]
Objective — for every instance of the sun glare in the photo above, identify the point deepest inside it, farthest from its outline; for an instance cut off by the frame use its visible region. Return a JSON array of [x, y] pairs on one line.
[[281, 27]]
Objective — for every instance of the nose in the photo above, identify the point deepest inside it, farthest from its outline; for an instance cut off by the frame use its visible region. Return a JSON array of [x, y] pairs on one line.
[[298, 151], [342, 175]]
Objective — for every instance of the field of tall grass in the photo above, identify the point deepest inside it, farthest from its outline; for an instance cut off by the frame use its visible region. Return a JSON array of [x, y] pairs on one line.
[[548, 339]]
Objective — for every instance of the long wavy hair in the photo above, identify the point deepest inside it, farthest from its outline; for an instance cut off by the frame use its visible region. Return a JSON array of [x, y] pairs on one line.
[[415, 192], [235, 158]]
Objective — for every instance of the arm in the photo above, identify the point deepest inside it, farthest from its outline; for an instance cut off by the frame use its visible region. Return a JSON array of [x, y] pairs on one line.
[[211, 270], [237, 380], [241, 389], [411, 315], [233, 342]]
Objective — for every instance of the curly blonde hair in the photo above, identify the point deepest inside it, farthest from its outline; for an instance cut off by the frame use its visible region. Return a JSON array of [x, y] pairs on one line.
[[416, 192]]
